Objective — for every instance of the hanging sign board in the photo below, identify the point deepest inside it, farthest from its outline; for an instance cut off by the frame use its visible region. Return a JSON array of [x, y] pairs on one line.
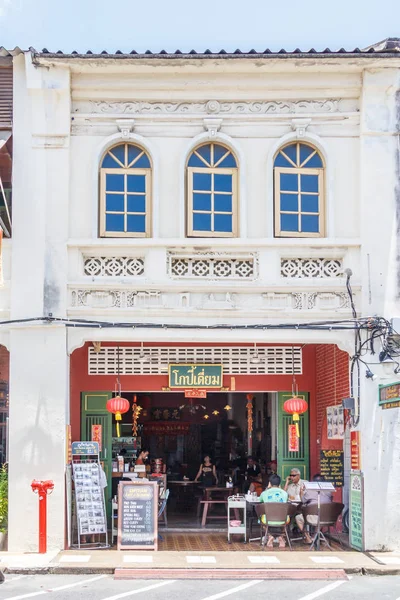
[[331, 466], [293, 440], [355, 450], [356, 533], [89, 448], [195, 393], [389, 395], [195, 376], [97, 434], [137, 515]]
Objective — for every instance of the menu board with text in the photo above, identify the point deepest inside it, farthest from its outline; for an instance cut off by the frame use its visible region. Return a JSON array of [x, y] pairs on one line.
[[137, 515], [331, 466]]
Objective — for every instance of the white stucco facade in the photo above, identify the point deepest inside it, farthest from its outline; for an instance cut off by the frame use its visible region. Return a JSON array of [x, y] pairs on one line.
[[68, 111]]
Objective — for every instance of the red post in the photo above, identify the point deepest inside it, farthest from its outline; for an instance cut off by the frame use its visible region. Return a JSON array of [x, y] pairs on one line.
[[42, 488]]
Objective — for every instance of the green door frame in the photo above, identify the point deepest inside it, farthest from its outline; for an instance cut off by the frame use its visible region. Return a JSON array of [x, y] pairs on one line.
[[287, 460]]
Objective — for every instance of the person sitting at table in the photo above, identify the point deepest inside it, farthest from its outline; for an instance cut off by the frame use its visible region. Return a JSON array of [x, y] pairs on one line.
[[207, 473], [251, 473], [311, 497], [256, 486], [294, 485], [274, 493]]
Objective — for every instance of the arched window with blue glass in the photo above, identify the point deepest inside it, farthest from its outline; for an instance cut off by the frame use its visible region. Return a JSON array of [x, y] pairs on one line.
[[212, 204], [299, 191], [125, 192]]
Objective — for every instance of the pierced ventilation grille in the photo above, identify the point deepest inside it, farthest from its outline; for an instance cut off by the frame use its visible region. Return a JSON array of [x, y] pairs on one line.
[[236, 360]]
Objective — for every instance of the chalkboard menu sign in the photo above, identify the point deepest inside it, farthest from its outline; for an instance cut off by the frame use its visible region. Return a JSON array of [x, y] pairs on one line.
[[331, 466], [137, 515]]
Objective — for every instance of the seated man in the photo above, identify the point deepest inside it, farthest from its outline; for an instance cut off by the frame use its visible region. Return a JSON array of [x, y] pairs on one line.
[[311, 497], [274, 493], [251, 473], [294, 487]]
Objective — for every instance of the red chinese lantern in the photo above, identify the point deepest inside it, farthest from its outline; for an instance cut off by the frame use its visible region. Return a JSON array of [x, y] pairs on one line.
[[295, 406], [118, 406]]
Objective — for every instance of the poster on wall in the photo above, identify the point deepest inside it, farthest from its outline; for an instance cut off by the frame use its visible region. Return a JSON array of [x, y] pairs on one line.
[[335, 422], [356, 533], [97, 434], [355, 451], [293, 439], [332, 467]]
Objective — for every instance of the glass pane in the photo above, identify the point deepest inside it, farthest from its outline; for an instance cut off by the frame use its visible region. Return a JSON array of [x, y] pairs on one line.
[[201, 201], [136, 183], [291, 151], [305, 152], [289, 223], [290, 202], [114, 222], [136, 223], [289, 182], [114, 183], [119, 152], [205, 152], [110, 163], [309, 203], [201, 222], [194, 161], [281, 161], [219, 152], [133, 152], [142, 163], [115, 202], [202, 181], [228, 163], [314, 163], [223, 183], [137, 203], [223, 202], [309, 183], [223, 223], [309, 224]]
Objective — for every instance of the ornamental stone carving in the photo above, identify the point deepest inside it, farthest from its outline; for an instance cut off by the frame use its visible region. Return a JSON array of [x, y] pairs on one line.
[[215, 107], [311, 267], [113, 266], [217, 266]]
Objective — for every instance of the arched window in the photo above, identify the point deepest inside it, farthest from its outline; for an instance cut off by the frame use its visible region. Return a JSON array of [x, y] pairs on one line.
[[125, 192], [299, 192], [212, 192]]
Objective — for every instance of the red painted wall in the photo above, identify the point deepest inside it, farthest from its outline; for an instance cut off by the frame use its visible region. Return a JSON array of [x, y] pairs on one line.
[[80, 381], [4, 364]]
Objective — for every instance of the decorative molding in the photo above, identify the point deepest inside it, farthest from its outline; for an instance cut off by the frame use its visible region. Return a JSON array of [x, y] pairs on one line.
[[300, 126], [113, 266], [311, 267], [214, 107], [125, 126], [212, 125], [88, 298], [49, 141], [212, 265], [324, 301]]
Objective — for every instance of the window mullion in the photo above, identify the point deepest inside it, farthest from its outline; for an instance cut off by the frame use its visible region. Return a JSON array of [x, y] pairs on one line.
[[212, 202], [299, 198], [125, 202]]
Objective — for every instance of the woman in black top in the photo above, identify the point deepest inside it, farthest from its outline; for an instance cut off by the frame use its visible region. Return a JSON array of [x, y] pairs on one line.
[[207, 473]]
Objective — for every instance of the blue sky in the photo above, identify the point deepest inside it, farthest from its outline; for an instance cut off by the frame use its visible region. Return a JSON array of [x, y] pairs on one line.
[[170, 24]]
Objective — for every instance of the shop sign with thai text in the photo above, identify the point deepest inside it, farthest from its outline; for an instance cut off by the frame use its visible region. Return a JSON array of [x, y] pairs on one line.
[[389, 395], [356, 532], [82, 448], [355, 450], [195, 376], [293, 439], [331, 466]]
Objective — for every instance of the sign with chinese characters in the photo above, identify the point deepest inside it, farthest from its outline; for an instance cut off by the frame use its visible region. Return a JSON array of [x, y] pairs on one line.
[[389, 395], [335, 422], [195, 376], [194, 393], [356, 533], [137, 515], [293, 439], [355, 450], [331, 466], [81, 448], [97, 434], [166, 428], [165, 414]]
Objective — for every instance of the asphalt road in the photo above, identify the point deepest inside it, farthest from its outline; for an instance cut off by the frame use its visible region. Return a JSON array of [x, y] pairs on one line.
[[103, 587]]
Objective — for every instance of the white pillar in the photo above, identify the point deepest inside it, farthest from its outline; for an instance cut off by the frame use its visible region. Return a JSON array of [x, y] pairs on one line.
[[39, 391]]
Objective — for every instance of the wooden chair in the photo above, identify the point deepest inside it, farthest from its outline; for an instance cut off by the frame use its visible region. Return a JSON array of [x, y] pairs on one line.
[[275, 512]]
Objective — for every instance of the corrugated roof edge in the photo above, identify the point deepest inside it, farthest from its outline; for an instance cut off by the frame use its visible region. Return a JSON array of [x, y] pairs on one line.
[[4, 52], [388, 47]]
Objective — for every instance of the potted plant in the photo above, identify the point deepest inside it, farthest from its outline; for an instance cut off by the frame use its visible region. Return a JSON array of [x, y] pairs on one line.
[[3, 505]]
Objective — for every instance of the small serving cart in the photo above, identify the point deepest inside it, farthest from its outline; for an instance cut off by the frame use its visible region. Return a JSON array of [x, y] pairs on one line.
[[235, 526]]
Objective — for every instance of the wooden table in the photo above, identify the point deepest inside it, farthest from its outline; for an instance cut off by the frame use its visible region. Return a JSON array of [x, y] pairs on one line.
[[212, 496], [183, 488]]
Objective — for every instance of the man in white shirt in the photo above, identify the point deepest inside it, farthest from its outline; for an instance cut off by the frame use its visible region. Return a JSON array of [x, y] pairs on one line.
[[294, 485]]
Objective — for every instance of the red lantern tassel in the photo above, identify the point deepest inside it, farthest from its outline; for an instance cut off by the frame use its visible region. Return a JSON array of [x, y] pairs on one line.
[[118, 418], [296, 419]]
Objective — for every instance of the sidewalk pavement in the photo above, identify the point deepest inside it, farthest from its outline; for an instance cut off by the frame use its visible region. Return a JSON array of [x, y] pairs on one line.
[[164, 564]]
